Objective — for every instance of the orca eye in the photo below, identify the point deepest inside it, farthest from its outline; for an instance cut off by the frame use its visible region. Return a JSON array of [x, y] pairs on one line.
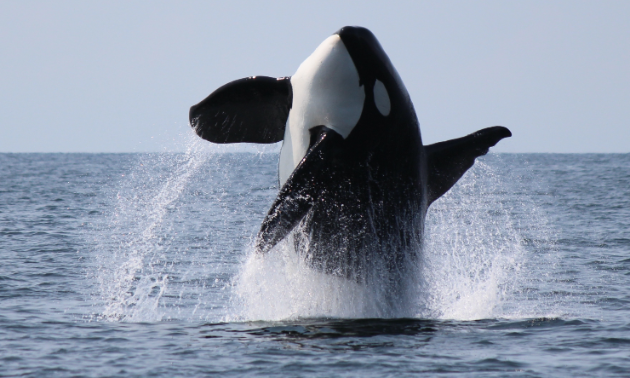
[[381, 98]]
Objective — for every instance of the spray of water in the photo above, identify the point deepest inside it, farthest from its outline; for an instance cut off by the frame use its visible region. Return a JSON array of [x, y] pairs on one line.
[[474, 264], [281, 285], [470, 266], [132, 272], [473, 253]]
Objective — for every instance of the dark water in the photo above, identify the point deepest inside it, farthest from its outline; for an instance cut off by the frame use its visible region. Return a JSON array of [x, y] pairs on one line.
[[128, 265]]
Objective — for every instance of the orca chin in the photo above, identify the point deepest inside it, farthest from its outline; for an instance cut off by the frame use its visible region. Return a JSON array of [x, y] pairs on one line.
[[356, 179]]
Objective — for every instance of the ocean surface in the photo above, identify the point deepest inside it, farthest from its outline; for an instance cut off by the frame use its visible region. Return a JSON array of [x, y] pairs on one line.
[[140, 265]]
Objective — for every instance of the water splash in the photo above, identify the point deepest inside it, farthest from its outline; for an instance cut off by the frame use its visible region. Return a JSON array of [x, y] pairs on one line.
[[132, 272], [489, 248], [280, 285], [471, 266], [157, 261], [473, 253]]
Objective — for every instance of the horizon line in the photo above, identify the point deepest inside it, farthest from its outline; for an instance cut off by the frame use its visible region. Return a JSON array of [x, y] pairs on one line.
[[274, 152]]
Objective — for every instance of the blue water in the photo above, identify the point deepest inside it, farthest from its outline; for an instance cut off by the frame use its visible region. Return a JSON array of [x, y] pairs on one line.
[[134, 265]]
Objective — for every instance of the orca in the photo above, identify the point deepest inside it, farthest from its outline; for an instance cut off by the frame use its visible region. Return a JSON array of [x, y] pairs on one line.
[[355, 178]]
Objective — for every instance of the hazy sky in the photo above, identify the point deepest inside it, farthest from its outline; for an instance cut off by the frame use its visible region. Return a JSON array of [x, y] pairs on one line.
[[120, 76]]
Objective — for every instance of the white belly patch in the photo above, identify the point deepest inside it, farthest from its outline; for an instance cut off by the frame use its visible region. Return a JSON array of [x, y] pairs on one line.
[[326, 92]]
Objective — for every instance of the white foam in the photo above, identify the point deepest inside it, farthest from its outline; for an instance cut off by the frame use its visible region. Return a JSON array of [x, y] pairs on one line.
[[470, 268], [280, 286]]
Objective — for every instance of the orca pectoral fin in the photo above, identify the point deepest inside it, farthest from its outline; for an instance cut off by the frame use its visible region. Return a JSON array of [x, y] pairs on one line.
[[301, 189], [448, 161], [250, 110]]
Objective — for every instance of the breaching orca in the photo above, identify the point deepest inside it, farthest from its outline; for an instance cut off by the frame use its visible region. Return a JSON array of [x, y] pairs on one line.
[[355, 178]]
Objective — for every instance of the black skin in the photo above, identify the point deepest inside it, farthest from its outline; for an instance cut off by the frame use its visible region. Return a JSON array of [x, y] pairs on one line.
[[358, 201], [249, 110]]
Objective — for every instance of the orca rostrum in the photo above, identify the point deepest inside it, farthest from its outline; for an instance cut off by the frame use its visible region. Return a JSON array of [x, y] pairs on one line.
[[355, 178]]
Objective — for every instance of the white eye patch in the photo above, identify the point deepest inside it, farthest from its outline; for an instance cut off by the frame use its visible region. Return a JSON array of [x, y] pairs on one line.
[[381, 98]]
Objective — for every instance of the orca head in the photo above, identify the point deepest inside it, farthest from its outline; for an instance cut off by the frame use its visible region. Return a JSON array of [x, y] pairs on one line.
[[348, 73], [383, 87]]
